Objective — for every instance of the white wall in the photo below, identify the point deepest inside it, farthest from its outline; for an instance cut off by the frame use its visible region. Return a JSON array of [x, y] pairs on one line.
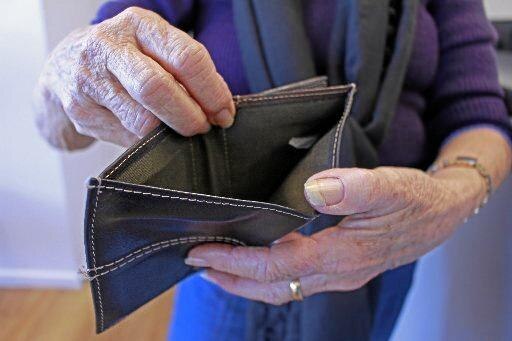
[[41, 190], [499, 9], [34, 236]]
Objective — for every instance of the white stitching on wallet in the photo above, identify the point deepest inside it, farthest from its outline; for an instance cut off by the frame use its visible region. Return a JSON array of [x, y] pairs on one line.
[[132, 153], [195, 194], [311, 93], [119, 263], [93, 217], [341, 123], [174, 197]]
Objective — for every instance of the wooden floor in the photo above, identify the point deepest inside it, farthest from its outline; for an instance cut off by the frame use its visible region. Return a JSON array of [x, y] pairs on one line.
[[55, 315]]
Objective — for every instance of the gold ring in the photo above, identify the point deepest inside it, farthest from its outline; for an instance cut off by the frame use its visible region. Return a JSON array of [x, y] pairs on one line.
[[296, 290]]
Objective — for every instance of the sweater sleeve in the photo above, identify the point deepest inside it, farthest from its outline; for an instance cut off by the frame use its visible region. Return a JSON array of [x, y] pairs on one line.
[[179, 13], [466, 90]]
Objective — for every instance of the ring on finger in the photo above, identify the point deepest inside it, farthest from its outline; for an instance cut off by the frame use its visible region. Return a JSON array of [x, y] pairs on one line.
[[296, 290]]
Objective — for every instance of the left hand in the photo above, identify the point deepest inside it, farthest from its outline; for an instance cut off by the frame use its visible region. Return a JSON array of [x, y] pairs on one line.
[[393, 217]]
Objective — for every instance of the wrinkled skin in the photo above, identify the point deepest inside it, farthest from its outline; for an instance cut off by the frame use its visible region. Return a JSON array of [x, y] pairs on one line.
[[117, 80], [394, 216]]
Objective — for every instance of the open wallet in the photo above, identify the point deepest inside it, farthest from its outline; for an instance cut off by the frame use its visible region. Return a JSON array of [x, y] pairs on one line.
[[242, 186]]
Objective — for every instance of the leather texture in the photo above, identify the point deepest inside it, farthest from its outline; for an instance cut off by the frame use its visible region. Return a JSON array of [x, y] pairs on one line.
[[242, 186]]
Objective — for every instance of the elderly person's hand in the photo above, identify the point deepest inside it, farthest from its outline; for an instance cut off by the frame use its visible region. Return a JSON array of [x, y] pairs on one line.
[[394, 216], [117, 80]]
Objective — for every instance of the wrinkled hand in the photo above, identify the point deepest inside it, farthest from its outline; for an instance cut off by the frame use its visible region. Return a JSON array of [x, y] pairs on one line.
[[117, 80], [394, 216]]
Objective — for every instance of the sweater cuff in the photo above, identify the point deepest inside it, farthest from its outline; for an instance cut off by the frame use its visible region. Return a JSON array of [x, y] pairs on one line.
[[469, 112]]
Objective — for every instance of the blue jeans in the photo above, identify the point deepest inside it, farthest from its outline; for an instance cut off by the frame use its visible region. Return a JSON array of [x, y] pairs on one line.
[[205, 312]]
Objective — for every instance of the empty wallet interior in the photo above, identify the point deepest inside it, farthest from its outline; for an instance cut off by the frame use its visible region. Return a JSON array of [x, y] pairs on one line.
[[278, 136]]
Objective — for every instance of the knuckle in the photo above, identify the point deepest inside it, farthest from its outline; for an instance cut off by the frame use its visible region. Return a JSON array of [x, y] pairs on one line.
[[127, 117], [150, 87], [139, 121], [265, 271], [94, 41], [274, 271], [133, 12], [81, 130], [375, 180], [407, 190], [98, 43], [364, 186], [138, 18], [80, 82], [105, 92], [95, 34], [190, 127], [73, 107], [84, 56], [145, 123], [220, 96], [190, 58]]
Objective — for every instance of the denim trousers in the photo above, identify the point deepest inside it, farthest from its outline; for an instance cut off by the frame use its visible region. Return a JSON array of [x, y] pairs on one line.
[[205, 312]]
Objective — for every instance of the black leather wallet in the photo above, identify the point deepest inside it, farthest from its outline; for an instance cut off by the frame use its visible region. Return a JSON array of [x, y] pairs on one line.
[[242, 186]]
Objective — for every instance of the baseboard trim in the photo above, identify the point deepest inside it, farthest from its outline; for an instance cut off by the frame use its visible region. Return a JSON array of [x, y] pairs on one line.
[[37, 278]]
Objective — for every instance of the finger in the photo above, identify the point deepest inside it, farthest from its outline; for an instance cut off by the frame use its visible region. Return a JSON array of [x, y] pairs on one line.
[[95, 121], [132, 115], [280, 292], [271, 293], [156, 89], [299, 257], [188, 60], [346, 191]]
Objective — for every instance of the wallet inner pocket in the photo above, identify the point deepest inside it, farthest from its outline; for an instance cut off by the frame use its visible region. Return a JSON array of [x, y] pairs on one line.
[[250, 160]]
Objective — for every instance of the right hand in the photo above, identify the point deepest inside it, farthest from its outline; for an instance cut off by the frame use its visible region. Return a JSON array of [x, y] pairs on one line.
[[116, 81]]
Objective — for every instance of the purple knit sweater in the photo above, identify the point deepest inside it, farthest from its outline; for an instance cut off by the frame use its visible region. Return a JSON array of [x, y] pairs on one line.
[[451, 82]]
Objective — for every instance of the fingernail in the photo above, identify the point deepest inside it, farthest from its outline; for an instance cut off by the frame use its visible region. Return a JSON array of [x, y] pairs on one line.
[[197, 262], [224, 118], [324, 192]]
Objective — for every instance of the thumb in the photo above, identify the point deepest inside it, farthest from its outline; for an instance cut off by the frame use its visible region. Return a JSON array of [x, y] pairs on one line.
[[345, 191]]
